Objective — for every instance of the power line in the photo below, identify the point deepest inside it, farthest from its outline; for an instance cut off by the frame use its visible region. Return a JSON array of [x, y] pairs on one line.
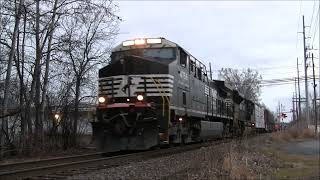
[[316, 27], [274, 82], [288, 79], [278, 84], [299, 16], [314, 5], [264, 68]]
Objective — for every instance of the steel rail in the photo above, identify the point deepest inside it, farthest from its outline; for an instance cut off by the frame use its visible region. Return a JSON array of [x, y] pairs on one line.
[[38, 170], [55, 160]]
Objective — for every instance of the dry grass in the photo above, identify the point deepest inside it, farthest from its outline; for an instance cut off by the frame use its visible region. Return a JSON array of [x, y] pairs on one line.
[[236, 168], [231, 161], [307, 133], [295, 166], [292, 134], [239, 159]]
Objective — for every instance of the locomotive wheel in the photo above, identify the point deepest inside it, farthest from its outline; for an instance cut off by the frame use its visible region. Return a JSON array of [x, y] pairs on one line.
[[183, 140], [226, 130], [157, 146]]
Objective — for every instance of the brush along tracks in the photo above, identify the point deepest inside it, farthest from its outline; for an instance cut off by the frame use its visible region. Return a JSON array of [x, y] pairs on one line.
[[63, 167]]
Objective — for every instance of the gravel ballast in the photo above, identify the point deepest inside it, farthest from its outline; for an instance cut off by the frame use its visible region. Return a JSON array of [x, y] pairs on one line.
[[234, 160]]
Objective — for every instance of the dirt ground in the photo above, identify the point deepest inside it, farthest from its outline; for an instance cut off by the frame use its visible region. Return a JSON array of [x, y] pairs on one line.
[[261, 157], [85, 147], [298, 155], [289, 155]]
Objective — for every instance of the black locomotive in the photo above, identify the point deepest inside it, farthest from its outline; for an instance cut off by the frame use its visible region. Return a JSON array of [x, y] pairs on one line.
[[154, 92]]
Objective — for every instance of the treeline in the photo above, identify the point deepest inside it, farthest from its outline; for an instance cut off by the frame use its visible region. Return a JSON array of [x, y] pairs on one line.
[[49, 54]]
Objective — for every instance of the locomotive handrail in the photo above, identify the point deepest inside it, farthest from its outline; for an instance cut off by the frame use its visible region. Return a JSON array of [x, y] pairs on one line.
[[168, 100], [166, 97], [154, 81]]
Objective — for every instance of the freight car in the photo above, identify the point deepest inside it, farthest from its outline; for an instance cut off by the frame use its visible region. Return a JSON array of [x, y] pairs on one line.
[[259, 118], [270, 124], [154, 92], [264, 120]]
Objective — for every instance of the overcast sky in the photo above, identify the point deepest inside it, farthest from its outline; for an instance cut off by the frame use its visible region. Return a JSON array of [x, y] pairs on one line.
[[253, 34]]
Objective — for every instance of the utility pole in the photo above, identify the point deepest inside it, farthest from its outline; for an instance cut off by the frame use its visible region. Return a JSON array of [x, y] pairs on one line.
[[279, 110], [281, 121], [317, 118], [297, 113], [314, 96], [295, 97], [210, 71], [299, 102], [293, 109], [305, 71]]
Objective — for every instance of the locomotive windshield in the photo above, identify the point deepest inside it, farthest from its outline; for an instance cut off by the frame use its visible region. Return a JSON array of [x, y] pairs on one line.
[[155, 53]]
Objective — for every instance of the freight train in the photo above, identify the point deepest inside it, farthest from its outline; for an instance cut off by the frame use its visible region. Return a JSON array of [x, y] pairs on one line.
[[153, 92]]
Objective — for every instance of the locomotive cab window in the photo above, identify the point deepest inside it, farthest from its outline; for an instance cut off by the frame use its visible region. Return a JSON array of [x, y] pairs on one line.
[[184, 98], [199, 71], [183, 58], [191, 67], [159, 53], [205, 79], [165, 54], [204, 76]]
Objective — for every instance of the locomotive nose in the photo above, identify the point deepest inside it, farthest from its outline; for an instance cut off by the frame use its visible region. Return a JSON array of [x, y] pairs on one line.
[[119, 128], [125, 123]]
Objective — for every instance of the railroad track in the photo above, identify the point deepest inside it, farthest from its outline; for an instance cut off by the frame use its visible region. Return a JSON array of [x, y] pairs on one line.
[[23, 169], [63, 167]]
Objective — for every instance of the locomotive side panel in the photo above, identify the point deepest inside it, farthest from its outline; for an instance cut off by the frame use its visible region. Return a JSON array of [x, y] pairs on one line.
[[180, 102]]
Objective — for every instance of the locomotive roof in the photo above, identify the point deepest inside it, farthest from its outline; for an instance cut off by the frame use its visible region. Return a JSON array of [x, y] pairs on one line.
[[164, 43]]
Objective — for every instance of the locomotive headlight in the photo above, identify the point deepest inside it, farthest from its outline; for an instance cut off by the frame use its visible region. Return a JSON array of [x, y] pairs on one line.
[[56, 116], [180, 119], [154, 41], [128, 43], [139, 42], [102, 99], [140, 97]]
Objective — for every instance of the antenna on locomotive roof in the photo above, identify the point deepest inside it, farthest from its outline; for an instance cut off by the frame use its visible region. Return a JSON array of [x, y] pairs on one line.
[[210, 71]]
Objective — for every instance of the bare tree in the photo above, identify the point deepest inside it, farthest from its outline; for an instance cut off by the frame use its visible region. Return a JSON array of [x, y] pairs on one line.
[[4, 127], [246, 81], [58, 43], [87, 34]]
